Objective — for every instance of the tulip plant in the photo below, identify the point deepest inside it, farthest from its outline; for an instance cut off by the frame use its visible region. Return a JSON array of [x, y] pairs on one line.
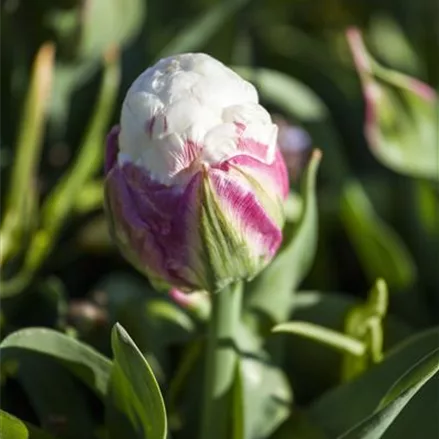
[[194, 191], [216, 222]]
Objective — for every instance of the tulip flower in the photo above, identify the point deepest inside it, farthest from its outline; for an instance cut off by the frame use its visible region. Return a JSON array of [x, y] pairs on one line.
[[194, 180]]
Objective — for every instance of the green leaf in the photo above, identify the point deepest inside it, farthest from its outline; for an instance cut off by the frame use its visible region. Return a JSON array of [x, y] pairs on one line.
[[46, 384], [401, 116], [283, 275], [188, 363], [286, 92], [94, 40], [153, 319], [135, 406], [86, 44], [381, 251], [299, 426], [89, 159], [337, 340], [263, 395], [418, 375], [365, 323], [14, 428], [329, 309], [61, 200], [389, 41], [68, 79], [83, 361], [197, 34], [22, 197], [375, 426], [326, 309], [348, 405]]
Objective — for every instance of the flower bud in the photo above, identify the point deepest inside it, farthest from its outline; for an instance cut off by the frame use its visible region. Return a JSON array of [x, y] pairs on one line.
[[400, 115], [194, 181], [295, 145]]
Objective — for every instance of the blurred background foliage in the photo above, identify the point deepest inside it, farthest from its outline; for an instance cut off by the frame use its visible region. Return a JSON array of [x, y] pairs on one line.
[[65, 67]]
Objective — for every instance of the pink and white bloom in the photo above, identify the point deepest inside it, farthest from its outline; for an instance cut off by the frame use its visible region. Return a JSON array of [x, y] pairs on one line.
[[194, 181]]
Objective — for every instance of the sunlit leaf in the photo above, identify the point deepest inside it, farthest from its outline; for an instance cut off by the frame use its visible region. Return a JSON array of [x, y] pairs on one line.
[[365, 323], [87, 42], [392, 45], [339, 410], [22, 197], [421, 372], [89, 160], [286, 92], [135, 405], [61, 201], [94, 40], [82, 360], [14, 428], [374, 426], [320, 334]]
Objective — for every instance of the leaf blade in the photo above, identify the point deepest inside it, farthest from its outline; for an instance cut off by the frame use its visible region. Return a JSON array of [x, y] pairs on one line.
[[133, 392], [395, 400], [329, 337], [14, 428], [86, 363]]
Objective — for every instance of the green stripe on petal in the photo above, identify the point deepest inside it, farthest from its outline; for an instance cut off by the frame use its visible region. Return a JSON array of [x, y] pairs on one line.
[[272, 204], [228, 255]]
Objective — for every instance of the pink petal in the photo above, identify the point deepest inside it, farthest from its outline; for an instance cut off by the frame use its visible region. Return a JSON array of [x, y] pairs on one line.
[[158, 223], [259, 233]]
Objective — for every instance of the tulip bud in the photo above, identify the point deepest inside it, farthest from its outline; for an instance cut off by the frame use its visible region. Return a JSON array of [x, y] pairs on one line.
[[194, 181], [400, 116]]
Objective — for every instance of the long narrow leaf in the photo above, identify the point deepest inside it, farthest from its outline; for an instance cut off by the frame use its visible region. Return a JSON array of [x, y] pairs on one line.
[[22, 197], [329, 337], [14, 428], [86, 363], [135, 406], [396, 399]]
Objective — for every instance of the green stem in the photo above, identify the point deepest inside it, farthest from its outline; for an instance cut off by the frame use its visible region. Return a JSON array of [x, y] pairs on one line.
[[221, 355]]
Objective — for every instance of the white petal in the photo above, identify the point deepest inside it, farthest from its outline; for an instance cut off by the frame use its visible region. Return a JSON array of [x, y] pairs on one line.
[[220, 143], [185, 113], [184, 105], [247, 113], [138, 108]]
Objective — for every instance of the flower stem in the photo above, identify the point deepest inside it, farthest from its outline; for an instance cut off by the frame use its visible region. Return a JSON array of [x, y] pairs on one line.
[[220, 366]]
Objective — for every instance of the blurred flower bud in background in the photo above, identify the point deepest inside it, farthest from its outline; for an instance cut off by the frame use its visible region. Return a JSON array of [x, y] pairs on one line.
[[195, 182], [295, 145]]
